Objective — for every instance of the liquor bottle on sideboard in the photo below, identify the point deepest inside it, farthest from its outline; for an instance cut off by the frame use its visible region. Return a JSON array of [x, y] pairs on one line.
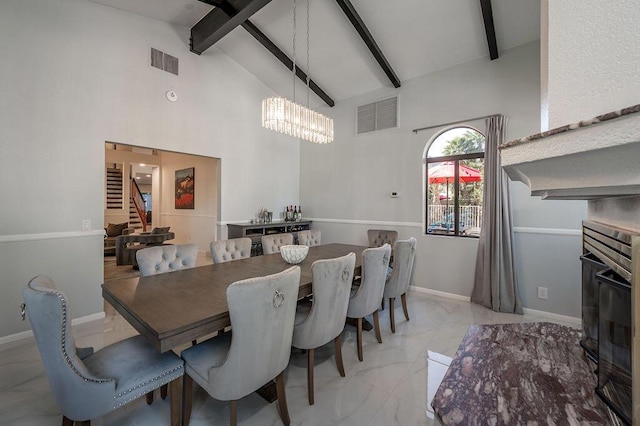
[[295, 213], [299, 212]]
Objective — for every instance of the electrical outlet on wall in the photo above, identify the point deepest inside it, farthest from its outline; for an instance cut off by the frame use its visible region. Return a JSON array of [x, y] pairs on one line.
[[543, 293], [86, 225]]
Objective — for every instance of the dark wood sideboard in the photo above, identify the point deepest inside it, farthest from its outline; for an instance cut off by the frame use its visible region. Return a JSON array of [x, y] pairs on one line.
[[255, 231]]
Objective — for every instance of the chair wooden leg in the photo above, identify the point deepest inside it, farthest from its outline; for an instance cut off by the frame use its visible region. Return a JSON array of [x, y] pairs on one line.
[[376, 326], [187, 398], [150, 398], [282, 399], [359, 338], [339, 364], [66, 421], [392, 317], [84, 423], [163, 391], [233, 412], [310, 364], [382, 304], [175, 400], [404, 305]]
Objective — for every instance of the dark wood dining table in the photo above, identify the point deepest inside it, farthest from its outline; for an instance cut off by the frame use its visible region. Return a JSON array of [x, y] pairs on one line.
[[175, 308]]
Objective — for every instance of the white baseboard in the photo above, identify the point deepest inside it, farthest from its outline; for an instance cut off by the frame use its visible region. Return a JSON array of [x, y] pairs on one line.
[[26, 334], [551, 315], [441, 293], [545, 314]]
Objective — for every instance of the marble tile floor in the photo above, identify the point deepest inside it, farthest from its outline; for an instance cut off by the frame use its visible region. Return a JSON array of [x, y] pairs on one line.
[[392, 386]]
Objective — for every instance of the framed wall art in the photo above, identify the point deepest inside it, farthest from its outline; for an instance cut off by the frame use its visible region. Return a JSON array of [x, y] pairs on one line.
[[185, 188]]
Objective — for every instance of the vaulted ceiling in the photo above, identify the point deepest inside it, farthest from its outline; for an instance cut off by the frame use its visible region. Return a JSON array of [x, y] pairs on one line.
[[413, 37]]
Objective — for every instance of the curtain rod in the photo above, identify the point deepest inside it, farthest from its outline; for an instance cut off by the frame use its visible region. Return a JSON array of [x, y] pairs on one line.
[[454, 122]]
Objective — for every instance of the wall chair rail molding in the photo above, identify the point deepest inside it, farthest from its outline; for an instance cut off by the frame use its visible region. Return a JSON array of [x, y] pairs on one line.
[[50, 236], [547, 231], [367, 222]]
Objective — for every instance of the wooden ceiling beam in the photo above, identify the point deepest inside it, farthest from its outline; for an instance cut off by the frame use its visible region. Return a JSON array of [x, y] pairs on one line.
[[489, 28], [225, 7], [368, 39], [286, 61], [228, 15]]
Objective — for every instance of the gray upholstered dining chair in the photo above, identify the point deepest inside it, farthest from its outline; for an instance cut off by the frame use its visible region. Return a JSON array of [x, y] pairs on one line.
[[380, 237], [232, 365], [323, 321], [272, 243], [166, 258], [404, 252], [311, 237], [366, 298], [232, 249], [88, 384]]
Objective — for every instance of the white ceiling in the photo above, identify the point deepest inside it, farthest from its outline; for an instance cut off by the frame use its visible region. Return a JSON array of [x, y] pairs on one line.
[[416, 36]]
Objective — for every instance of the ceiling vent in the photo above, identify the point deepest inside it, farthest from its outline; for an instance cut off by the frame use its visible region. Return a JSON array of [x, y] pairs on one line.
[[378, 115], [164, 61]]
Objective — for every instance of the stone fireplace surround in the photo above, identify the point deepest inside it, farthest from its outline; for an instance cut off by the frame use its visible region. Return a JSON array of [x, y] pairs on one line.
[[596, 160]]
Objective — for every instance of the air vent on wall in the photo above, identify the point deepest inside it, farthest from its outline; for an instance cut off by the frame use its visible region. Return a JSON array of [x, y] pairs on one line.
[[164, 61], [378, 115]]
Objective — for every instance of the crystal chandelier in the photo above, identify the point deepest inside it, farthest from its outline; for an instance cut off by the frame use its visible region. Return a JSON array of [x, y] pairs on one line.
[[288, 117]]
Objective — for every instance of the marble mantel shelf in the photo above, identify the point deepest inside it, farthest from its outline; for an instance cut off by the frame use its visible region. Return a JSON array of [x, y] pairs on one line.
[[524, 374], [596, 158]]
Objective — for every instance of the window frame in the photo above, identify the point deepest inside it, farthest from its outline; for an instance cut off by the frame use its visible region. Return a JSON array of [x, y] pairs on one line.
[[456, 158]]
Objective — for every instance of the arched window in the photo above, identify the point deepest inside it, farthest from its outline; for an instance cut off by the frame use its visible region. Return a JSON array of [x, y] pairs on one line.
[[454, 175]]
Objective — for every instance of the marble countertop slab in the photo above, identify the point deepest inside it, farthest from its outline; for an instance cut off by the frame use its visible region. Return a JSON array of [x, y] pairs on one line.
[[526, 374]]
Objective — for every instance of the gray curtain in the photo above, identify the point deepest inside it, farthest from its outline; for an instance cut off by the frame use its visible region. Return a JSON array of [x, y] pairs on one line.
[[495, 283]]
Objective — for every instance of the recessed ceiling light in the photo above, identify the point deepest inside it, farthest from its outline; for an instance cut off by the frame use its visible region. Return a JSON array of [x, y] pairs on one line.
[[142, 164], [148, 175], [137, 177]]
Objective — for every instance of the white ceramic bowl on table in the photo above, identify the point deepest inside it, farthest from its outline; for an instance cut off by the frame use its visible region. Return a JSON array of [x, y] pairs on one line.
[[294, 254]]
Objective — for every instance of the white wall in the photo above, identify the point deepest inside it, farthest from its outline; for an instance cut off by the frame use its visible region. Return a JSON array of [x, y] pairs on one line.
[[197, 225], [76, 74], [345, 186], [592, 64], [592, 60]]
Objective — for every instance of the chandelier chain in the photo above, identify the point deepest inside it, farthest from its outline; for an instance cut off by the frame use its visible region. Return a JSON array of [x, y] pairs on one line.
[[294, 50], [308, 66]]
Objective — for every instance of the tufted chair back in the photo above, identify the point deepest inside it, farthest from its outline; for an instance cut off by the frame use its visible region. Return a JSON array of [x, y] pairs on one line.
[[233, 249], [166, 258], [272, 243], [78, 393], [99, 382], [380, 237], [404, 252], [332, 279], [368, 297], [309, 238]]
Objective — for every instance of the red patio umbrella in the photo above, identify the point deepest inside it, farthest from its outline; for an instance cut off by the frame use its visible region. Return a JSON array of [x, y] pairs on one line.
[[445, 172]]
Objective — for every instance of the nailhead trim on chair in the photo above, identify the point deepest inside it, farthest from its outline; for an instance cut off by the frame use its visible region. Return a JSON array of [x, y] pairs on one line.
[[164, 382], [64, 336]]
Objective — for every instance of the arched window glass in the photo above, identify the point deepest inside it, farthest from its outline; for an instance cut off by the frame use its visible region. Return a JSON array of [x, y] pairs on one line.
[[454, 167]]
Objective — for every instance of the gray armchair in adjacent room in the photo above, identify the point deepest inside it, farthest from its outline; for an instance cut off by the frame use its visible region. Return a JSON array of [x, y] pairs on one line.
[[323, 321], [310, 238], [99, 382], [166, 258], [397, 285], [111, 232], [380, 237], [232, 249], [366, 298], [272, 243], [233, 365]]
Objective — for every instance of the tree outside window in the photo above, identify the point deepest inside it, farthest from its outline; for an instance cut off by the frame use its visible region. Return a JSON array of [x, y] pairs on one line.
[[454, 180]]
